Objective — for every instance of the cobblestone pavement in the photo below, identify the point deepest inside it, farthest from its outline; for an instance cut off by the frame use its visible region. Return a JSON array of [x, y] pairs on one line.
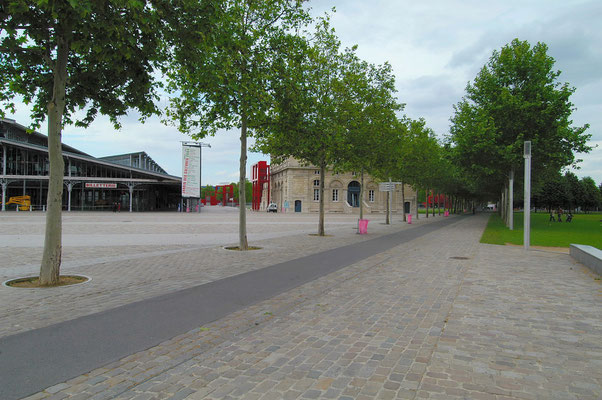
[[122, 273], [438, 317]]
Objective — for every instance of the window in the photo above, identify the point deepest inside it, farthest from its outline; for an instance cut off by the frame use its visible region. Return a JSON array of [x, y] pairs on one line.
[[316, 182], [370, 195], [335, 194], [317, 172], [316, 194]]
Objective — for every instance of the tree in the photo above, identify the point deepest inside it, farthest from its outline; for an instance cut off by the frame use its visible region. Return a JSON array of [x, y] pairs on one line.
[[574, 195], [308, 94], [419, 164], [368, 114], [591, 195], [515, 97], [220, 76], [65, 56]]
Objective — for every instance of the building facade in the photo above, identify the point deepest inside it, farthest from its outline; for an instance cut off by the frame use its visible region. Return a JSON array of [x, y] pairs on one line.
[[132, 181], [296, 188]]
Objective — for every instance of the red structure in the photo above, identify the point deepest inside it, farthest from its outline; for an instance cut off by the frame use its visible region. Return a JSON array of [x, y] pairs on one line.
[[260, 175], [227, 194]]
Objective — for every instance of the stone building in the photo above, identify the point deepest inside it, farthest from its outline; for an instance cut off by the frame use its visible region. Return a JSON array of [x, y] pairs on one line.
[[294, 187]]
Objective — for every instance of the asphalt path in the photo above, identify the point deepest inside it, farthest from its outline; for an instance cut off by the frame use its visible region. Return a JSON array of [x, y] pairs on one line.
[[35, 360]]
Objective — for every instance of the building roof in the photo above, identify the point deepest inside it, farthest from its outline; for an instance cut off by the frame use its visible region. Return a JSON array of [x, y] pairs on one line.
[[40, 142]]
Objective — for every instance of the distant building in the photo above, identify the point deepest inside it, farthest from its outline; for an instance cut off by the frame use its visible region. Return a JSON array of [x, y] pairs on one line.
[[132, 180], [295, 187]]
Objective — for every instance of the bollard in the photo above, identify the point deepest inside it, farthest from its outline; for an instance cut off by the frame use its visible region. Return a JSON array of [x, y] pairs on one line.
[[363, 226]]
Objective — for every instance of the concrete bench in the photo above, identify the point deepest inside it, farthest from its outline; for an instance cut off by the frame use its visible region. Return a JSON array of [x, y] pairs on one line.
[[589, 256]]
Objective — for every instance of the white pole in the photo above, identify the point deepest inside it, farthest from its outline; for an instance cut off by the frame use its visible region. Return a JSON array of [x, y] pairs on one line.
[[390, 201], [511, 200], [527, 213]]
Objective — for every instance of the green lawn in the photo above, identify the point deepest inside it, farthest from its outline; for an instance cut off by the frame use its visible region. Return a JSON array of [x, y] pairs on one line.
[[585, 229]]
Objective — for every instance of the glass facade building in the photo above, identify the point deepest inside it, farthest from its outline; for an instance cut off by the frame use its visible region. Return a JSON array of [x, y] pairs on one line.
[[133, 181]]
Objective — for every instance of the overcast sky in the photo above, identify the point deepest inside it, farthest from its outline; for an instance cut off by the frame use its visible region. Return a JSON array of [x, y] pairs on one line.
[[435, 48]]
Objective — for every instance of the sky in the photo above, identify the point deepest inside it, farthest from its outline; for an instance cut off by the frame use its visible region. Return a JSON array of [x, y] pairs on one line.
[[435, 48]]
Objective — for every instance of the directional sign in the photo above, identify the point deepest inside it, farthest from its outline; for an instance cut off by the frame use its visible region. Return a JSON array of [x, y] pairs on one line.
[[387, 186]]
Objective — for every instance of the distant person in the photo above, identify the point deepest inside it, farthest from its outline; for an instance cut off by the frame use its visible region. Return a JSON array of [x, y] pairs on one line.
[[118, 207], [115, 207], [552, 219], [559, 215], [569, 217]]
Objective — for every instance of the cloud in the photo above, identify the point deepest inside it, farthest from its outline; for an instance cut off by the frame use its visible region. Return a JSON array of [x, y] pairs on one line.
[[435, 48]]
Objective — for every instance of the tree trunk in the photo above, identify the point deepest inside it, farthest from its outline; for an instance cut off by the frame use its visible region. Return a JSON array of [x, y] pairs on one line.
[[242, 195], [51, 259], [387, 219], [439, 204], [426, 196], [403, 203], [321, 217], [362, 194], [433, 197], [417, 192]]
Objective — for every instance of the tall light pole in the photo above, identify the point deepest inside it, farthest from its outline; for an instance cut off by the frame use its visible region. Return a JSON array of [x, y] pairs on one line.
[[527, 196]]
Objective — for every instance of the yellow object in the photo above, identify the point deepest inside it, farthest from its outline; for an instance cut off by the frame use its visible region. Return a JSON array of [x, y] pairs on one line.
[[23, 202]]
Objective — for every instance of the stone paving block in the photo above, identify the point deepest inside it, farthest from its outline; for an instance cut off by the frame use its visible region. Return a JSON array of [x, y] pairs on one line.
[[423, 326]]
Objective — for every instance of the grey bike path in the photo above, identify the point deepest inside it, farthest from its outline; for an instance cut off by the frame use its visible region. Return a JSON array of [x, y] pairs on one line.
[[34, 360]]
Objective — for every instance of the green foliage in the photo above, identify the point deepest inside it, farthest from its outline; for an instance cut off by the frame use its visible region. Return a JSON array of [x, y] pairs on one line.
[[367, 112], [113, 49], [592, 199], [553, 193], [584, 229], [222, 57], [305, 121], [514, 98], [568, 192]]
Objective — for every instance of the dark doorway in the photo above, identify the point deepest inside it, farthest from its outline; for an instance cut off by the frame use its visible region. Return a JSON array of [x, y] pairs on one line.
[[406, 207], [353, 194], [297, 205]]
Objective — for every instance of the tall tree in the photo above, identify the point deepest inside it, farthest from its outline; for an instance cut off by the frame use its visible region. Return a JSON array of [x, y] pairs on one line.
[[419, 164], [515, 97], [65, 56], [368, 114], [591, 195], [308, 94], [220, 78]]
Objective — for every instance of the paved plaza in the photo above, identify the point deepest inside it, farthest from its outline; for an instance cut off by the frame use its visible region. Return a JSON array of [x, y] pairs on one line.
[[440, 316]]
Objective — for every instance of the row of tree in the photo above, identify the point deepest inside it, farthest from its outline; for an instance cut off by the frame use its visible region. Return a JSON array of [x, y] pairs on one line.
[[516, 97], [568, 192], [265, 68]]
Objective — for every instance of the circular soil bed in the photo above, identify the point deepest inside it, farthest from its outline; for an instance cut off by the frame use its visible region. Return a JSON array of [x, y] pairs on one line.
[[34, 281], [237, 248]]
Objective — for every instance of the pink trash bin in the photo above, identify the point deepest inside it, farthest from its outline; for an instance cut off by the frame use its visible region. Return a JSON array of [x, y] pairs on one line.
[[409, 218], [363, 226]]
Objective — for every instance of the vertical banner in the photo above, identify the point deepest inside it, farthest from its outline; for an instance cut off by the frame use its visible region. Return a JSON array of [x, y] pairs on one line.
[[191, 171]]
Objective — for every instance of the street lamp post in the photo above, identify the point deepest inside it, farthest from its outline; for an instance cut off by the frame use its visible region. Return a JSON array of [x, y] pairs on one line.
[[527, 196]]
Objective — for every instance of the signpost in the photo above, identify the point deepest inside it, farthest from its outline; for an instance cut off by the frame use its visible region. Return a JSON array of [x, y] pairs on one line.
[[191, 171], [388, 187]]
